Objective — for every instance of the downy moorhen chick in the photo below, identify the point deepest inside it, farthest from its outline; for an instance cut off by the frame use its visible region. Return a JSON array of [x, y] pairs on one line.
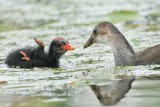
[[30, 57], [124, 55]]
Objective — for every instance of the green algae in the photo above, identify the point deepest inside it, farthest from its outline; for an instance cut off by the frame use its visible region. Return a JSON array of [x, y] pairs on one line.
[[136, 42], [152, 28], [123, 15]]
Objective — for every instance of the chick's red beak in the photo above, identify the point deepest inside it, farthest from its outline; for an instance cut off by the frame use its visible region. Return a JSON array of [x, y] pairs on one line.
[[68, 47]]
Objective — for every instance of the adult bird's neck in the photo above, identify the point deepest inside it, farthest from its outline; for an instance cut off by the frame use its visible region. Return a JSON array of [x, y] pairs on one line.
[[122, 50]]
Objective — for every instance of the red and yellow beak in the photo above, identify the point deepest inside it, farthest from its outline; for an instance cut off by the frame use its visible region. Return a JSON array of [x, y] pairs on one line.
[[68, 47]]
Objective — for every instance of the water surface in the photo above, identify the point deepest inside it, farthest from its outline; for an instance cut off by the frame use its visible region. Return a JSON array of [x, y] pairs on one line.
[[21, 21]]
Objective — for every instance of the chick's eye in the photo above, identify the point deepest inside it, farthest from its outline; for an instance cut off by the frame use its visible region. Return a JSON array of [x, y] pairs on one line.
[[63, 43], [59, 44], [95, 32]]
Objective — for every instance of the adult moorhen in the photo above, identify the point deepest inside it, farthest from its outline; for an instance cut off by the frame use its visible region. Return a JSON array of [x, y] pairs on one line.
[[30, 57], [124, 55]]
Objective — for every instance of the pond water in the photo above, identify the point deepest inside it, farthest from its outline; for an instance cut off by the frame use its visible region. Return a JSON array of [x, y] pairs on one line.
[[69, 85]]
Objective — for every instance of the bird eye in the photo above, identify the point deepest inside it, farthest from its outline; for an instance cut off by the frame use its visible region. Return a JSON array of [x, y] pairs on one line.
[[58, 44], [95, 32], [64, 43]]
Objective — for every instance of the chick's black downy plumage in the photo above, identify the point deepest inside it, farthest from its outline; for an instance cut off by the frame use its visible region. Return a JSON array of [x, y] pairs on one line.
[[30, 57]]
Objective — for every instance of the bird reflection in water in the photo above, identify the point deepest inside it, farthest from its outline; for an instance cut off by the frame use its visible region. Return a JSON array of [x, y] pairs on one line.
[[111, 93]]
